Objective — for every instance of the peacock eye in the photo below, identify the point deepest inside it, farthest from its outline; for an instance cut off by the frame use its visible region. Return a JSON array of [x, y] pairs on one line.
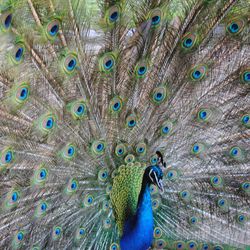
[[197, 148], [218, 247], [107, 223], [129, 158], [98, 147], [185, 195], [241, 218], [6, 157], [18, 53], [141, 148], [204, 115], [205, 246], [236, 153], [160, 244], [216, 181], [107, 62], [72, 187], [245, 120], [235, 26], [166, 128], [189, 41], [103, 175], [192, 245], [48, 122], [112, 15], [159, 95], [245, 76], [141, 69], [114, 246], [53, 29], [15, 196], [198, 72], [88, 200], [6, 20], [180, 245], [153, 159], [43, 206], [20, 236], [69, 63], [131, 121], [57, 232], [172, 175], [68, 152], [157, 232], [115, 105], [223, 204]]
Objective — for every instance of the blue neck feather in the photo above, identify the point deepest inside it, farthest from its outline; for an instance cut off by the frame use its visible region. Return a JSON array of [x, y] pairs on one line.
[[138, 230]]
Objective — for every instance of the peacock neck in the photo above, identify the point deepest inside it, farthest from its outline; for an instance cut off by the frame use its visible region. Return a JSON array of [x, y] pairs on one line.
[[138, 230]]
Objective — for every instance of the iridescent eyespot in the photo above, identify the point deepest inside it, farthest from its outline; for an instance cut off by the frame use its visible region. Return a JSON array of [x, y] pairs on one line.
[[156, 17], [78, 109], [120, 150], [114, 246], [6, 157], [103, 175], [235, 26], [223, 205], [53, 29], [153, 189], [236, 153], [204, 115], [129, 158], [198, 72], [159, 95], [193, 220], [189, 41], [112, 15], [18, 53], [241, 218], [216, 181], [107, 223], [20, 236], [47, 122], [156, 203], [108, 188], [141, 148], [131, 121], [245, 186], [245, 120], [88, 200], [80, 233], [197, 148], [57, 232], [180, 245], [40, 176], [105, 206], [115, 105], [41, 209], [6, 20], [68, 152], [154, 159], [69, 63], [245, 76], [218, 247], [98, 147], [166, 128], [107, 62], [157, 232], [12, 199], [204, 246], [71, 187], [14, 196], [192, 245], [185, 195], [160, 244], [172, 174], [22, 93], [141, 69]]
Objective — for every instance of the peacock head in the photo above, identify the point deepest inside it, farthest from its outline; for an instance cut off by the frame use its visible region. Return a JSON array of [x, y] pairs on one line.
[[154, 175]]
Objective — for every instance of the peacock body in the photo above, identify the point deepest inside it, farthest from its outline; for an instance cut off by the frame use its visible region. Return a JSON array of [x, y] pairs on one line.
[[124, 124]]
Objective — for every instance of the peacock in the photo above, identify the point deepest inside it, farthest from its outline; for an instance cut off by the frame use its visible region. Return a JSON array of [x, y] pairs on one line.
[[125, 125]]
